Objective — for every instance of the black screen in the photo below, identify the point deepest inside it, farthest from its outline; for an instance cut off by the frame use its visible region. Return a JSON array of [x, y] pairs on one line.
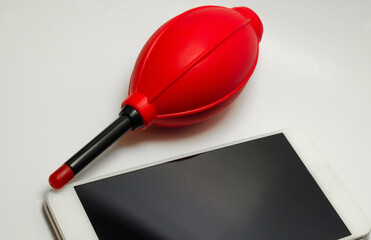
[[253, 190]]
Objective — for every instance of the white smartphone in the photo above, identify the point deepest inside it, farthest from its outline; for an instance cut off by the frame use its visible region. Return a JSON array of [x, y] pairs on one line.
[[276, 186]]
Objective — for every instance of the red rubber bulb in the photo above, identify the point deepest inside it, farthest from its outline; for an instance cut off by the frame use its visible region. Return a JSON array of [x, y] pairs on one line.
[[195, 65]]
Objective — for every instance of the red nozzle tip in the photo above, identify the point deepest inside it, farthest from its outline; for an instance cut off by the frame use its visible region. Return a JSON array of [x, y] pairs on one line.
[[61, 177]]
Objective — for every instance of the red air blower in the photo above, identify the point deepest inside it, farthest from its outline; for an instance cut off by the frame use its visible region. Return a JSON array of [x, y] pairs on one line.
[[192, 67]]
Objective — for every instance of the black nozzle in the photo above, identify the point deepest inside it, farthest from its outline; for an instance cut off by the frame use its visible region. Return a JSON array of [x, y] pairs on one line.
[[129, 119]]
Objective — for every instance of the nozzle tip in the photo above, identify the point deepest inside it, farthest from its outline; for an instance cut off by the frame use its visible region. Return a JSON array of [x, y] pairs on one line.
[[61, 177]]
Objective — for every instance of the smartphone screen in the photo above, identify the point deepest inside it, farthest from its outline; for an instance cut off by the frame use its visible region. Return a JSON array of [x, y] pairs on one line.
[[258, 189]]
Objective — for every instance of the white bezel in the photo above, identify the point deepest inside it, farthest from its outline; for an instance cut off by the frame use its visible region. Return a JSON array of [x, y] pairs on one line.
[[70, 220]]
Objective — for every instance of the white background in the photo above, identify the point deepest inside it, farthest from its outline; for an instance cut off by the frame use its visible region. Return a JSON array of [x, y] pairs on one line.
[[65, 68]]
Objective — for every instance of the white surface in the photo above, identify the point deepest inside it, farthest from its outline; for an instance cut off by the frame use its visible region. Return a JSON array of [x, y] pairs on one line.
[[65, 68], [74, 224]]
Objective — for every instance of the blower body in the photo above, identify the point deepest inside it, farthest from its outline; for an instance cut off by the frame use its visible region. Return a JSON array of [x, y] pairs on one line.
[[192, 67]]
